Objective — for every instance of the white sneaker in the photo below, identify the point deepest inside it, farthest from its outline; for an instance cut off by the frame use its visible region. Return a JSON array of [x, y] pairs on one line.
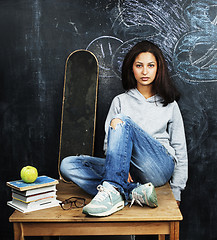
[[107, 201], [144, 195]]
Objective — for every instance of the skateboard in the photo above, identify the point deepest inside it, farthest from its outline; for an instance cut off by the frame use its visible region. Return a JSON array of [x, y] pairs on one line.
[[78, 120]]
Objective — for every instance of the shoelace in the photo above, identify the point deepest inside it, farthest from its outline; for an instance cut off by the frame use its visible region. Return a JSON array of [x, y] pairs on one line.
[[138, 199], [103, 193]]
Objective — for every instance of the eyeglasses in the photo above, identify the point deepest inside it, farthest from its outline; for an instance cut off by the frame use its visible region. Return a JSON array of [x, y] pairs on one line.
[[68, 203]]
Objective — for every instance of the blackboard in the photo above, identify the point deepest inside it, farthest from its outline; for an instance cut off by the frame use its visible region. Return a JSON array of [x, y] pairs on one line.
[[36, 38]]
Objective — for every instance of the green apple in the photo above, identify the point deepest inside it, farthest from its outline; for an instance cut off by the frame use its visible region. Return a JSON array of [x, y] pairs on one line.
[[29, 174]]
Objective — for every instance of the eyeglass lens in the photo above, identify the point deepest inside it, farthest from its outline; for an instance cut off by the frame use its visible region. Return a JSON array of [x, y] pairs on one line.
[[79, 203], [68, 204]]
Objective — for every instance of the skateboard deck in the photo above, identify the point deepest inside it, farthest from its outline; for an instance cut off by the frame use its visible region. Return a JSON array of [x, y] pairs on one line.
[[77, 134]]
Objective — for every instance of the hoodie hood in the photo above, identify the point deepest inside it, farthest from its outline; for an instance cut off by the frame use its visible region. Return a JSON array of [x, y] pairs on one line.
[[137, 95]]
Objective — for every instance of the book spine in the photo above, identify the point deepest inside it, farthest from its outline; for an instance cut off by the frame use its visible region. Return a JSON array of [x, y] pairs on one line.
[[36, 200], [35, 191], [36, 204], [54, 203], [34, 197]]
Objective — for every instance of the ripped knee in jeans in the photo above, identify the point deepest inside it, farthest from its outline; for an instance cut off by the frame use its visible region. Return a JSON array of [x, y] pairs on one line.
[[114, 122]]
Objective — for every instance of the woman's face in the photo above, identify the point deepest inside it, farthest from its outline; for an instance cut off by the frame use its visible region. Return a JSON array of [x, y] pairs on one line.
[[145, 69]]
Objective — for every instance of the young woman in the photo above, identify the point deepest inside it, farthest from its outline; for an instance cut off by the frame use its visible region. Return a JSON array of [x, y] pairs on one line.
[[144, 143]]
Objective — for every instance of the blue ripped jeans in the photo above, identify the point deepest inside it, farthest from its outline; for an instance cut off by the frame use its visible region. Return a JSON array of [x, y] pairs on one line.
[[130, 149]]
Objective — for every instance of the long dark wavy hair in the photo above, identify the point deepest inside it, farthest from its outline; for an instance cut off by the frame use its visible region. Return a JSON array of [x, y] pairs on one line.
[[162, 85]]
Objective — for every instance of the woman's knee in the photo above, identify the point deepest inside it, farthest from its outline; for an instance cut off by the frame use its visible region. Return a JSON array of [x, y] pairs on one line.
[[66, 163], [118, 119], [115, 121]]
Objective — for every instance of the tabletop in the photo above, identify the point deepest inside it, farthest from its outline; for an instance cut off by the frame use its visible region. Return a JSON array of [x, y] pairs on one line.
[[167, 210]]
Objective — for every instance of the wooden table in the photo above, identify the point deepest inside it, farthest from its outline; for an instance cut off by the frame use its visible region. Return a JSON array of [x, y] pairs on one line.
[[129, 221]]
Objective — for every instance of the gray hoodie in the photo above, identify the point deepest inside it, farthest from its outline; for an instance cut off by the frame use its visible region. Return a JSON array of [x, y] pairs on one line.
[[165, 124]]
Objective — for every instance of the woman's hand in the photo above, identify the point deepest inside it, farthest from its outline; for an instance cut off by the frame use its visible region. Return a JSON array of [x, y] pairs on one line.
[[178, 203], [130, 178]]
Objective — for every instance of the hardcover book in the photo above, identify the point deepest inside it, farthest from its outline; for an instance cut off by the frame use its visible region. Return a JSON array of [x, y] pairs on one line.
[[38, 205], [41, 181], [33, 198], [35, 190]]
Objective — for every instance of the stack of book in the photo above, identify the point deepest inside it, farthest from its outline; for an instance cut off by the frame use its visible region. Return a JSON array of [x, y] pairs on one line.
[[28, 197]]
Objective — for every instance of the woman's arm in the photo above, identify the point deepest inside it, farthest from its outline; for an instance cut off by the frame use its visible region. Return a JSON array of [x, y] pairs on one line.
[[178, 142]]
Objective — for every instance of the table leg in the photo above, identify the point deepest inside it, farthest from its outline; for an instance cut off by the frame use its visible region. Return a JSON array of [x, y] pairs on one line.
[[174, 231], [161, 237], [18, 231]]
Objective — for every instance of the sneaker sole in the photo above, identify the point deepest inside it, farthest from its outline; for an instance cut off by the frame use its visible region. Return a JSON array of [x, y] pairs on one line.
[[114, 209]]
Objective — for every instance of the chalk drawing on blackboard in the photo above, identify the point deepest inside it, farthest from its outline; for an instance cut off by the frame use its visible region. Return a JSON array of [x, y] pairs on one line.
[[135, 13], [195, 54], [134, 21], [104, 47], [194, 105], [195, 58], [208, 58], [212, 14], [74, 26], [159, 23], [190, 53]]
